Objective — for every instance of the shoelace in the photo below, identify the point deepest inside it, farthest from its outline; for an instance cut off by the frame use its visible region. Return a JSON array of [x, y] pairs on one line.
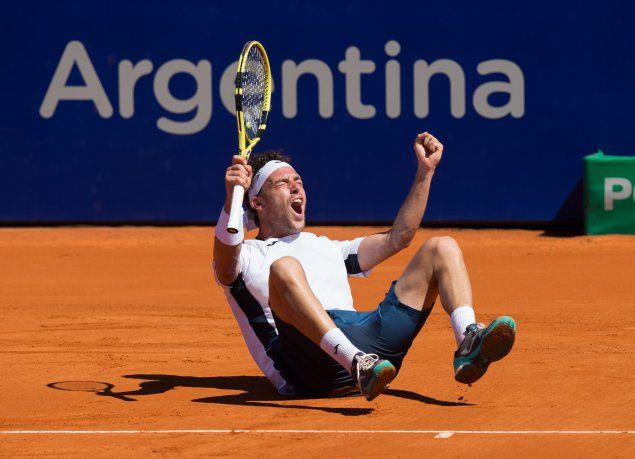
[[478, 327], [366, 361], [470, 335]]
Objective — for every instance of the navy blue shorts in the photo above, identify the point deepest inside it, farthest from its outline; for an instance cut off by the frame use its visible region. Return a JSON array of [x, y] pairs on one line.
[[388, 331]]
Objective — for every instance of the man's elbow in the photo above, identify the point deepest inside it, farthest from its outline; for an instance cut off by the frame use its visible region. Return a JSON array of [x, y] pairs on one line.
[[401, 241], [226, 278]]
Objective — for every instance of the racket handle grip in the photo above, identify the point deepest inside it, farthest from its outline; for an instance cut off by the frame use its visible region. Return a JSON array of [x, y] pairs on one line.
[[235, 222]]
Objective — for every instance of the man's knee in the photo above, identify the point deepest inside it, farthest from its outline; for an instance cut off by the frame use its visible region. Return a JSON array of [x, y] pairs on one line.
[[442, 248], [285, 270]]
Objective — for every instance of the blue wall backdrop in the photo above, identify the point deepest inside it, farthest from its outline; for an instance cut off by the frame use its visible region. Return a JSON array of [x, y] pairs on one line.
[[155, 151]]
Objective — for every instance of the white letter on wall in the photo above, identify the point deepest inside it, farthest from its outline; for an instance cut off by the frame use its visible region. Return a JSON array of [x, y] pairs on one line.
[[75, 53], [422, 74], [393, 80], [291, 72], [353, 67], [201, 100], [515, 88], [228, 86], [129, 73]]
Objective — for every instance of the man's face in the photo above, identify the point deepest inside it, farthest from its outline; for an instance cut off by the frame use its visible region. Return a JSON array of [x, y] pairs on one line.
[[281, 203]]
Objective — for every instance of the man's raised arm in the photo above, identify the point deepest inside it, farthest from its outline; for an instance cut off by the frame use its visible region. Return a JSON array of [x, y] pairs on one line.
[[226, 246], [378, 247]]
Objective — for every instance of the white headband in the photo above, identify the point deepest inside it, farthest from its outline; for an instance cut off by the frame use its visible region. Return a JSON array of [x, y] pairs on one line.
[[263, 174]]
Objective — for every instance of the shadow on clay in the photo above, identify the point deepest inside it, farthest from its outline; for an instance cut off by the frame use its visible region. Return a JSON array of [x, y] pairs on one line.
[[255, 391]]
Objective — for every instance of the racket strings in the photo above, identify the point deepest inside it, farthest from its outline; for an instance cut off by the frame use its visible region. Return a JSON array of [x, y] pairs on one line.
[[254, 84]]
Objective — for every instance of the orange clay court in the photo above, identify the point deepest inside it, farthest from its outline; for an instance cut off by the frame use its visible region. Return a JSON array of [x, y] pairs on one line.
[[117, 341]]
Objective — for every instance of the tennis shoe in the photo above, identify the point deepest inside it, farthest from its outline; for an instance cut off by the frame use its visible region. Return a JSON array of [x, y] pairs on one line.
[[482, 346], [372, 375]]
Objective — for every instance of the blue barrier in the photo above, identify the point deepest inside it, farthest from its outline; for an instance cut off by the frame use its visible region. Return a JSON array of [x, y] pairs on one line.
[[122, 112]]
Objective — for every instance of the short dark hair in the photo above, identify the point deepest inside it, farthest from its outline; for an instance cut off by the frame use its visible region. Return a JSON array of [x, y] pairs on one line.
[[257, 162]]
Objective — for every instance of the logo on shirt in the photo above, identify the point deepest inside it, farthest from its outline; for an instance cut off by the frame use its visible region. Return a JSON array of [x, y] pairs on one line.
[[336, 346], [271, 243]]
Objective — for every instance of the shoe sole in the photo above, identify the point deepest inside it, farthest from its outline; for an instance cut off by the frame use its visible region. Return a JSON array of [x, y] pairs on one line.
[[384, 373], [496, 344]]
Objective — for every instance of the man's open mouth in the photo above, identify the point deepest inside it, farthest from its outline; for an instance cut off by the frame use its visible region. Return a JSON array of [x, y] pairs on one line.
[[296, 205]]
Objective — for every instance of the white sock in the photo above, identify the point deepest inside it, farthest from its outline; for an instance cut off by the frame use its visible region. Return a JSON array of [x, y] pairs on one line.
[[336, 344], [461, 317]]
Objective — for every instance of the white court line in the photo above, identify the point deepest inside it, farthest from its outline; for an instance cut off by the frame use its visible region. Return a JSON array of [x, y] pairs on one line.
[[438, 433]]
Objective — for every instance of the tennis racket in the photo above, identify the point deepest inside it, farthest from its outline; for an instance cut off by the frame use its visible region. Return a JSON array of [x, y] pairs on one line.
[[253, 100]]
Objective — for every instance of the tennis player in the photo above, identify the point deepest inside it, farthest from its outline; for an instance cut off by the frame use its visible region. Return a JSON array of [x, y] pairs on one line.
[[289, 291]]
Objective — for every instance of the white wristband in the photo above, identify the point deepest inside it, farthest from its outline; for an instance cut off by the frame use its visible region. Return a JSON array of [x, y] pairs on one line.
[[225, 236]]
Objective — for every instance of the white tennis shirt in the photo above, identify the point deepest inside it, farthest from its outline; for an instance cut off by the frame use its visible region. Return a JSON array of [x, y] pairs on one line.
[[327, 264]]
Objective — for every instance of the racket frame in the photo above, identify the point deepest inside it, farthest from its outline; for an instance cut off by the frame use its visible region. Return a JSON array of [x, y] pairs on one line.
[[246, 144]]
